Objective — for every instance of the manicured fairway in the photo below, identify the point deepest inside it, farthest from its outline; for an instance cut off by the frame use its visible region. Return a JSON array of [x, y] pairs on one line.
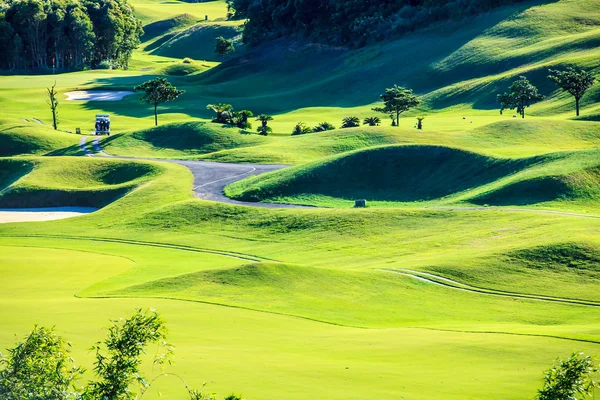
[[325, 302], [266, 355]]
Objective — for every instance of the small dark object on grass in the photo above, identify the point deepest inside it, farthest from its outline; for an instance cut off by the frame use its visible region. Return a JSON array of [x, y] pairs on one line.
[[362, 203]]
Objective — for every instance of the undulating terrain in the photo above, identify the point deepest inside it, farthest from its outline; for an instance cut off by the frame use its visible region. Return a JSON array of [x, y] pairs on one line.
[[475, 265]]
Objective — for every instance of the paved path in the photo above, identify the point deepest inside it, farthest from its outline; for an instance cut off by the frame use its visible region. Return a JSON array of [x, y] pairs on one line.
[[449, 283], [210, 178]]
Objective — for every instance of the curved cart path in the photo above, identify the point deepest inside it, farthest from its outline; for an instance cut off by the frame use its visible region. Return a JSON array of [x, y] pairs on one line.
[[210, 179], [449, 283]]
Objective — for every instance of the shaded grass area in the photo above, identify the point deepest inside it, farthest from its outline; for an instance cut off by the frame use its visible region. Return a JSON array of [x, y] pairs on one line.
[[54, 182], [392, 173], [183, 139], [21, 137], [432, 175]]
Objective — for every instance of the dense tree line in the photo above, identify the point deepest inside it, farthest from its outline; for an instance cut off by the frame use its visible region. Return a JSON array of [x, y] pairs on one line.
[[348, 22], [67, 34]]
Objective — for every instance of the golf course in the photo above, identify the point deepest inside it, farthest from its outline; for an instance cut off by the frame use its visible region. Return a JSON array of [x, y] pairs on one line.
[[450, 251]]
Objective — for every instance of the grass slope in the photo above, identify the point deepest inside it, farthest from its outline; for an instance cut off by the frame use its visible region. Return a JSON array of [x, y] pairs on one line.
[[183, 139], [31, 138], [50, 182], [391, 173]]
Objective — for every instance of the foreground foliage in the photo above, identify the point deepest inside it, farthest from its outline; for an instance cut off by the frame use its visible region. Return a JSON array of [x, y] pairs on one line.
[[41, 368], [569, 379]]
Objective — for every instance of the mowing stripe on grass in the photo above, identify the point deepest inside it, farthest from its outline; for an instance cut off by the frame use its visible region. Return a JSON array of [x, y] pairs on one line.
[[239, 256], [449, 283]]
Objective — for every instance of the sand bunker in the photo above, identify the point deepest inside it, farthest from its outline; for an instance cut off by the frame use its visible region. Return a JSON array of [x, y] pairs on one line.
[[98, 95], [41, 214]]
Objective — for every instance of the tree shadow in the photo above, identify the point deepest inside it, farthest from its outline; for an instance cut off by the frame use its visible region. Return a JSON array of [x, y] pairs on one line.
[[283, 76]]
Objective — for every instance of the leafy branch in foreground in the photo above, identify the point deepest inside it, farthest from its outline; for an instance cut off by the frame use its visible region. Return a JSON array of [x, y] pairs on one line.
[[570, 379], [41, 368]]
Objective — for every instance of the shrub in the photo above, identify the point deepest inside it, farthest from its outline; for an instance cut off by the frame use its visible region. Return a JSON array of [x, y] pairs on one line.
[[323, 126], [264, 130], [372, 121], [104, 65], [350, 122], [187, 60], [301, 129]]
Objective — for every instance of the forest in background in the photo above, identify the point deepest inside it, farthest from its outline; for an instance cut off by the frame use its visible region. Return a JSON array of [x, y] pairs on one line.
[[67, 34], [348, 22]]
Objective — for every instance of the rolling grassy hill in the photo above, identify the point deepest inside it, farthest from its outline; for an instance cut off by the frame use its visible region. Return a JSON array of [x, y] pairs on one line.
[[51, 182], [275, 303]]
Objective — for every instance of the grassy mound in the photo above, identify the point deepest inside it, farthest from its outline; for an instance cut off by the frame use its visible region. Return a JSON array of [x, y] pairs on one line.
[[52, 182], [180, 140], [31, 138], [576, 257], [183, 69], [159, 28], [582, 185], [11, 170], [393, 173], [197, 42]]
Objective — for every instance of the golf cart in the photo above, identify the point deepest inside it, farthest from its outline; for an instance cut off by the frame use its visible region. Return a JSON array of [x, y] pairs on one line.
[[102, 124]]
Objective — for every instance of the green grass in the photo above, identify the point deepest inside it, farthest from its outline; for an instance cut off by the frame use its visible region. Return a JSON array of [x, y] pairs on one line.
[[185, 139], [70, 181], [283, 303]]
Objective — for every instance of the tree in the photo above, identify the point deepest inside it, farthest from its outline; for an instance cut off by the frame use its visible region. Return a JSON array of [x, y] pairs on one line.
[[350, 122], [220, 109], [372, 121], [39, 368], [420, 122], [53, 103], [158, 91], [301, 129], [576, 82], [240, 119], [323, 126], [223, 46], [522, 94], [264, 129], [396, 101], [569, 379]]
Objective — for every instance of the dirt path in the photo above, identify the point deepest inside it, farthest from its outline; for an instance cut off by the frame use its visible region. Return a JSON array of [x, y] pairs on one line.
[[449, 283]]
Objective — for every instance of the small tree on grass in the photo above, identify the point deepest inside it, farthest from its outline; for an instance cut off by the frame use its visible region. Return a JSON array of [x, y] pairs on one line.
[[53, 103], [264, 129], [158, 91], [569, 379], [372, 121], [223, 46], [220, 109], [396, 101], [576, 82], [522, 94], [350, 122], [323, 126], [420, 122], [301, 129]]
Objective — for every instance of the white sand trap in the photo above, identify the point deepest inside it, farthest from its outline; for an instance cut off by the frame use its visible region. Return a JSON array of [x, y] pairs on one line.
[[41, 214], [98, 95]]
